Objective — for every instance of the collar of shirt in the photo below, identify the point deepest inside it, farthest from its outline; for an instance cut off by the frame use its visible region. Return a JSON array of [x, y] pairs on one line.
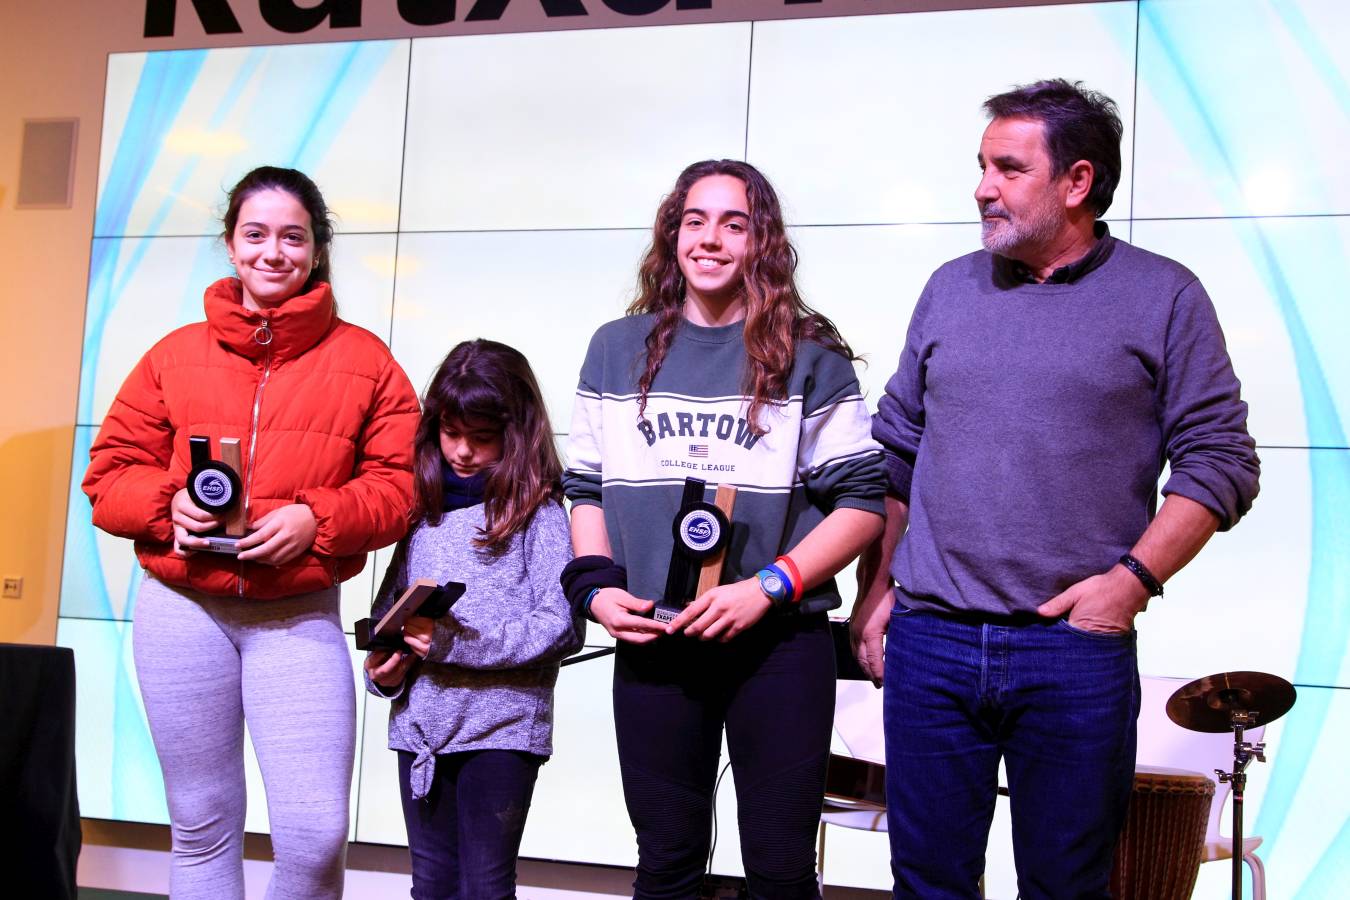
[[1019, 273]]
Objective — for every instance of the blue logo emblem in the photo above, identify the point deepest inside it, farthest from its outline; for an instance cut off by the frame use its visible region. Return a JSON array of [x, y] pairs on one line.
[[700, 531], [213, 488]]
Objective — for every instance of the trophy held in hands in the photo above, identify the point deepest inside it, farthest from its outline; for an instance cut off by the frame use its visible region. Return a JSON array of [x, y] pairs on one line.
[[214, 485], [702, 532], [423, 597]]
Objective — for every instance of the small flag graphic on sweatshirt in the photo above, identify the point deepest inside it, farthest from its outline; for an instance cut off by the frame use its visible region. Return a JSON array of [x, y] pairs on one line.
[[698, 451]]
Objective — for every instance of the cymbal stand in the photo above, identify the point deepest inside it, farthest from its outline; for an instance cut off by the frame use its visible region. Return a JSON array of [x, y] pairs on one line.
[[1243, 753]]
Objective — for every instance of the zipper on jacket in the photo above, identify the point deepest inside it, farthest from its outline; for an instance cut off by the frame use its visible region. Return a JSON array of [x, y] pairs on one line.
[[262, 335]]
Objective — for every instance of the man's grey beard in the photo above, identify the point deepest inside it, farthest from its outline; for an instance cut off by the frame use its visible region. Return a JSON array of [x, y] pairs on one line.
[[1008, 237]]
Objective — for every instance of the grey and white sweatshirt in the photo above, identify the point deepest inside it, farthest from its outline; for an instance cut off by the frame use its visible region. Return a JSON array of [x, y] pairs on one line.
[[816, 456], [1028, 424], [487, 682]]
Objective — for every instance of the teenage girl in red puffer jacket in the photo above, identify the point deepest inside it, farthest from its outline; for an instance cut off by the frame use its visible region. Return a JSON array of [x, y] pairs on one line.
[[326, 419]]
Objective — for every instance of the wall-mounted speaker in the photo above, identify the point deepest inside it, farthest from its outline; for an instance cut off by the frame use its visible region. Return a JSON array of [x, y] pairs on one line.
[[47, 164]]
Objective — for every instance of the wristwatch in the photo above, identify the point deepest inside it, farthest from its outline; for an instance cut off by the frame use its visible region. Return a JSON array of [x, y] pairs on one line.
[[774, 586]]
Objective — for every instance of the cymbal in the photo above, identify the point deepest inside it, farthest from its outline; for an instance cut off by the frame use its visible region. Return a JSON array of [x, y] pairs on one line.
[[1206, 704]]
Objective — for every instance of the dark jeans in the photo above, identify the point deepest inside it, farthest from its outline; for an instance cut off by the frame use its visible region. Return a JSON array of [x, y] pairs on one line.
[[465, 834], [1058, 704], [772, 688]]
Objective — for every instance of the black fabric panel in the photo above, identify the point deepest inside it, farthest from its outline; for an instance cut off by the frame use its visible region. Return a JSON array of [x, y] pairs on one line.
[[39, 810]]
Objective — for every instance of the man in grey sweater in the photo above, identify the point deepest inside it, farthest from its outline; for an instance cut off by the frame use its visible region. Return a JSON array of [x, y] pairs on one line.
[[1043, 384]]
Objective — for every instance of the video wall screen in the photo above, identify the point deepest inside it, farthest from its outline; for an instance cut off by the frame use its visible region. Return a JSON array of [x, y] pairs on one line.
[[504, 186]]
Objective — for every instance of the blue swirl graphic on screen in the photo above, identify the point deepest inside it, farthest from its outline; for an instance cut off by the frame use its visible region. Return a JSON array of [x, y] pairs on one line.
[[166, 79], [1192, 92]]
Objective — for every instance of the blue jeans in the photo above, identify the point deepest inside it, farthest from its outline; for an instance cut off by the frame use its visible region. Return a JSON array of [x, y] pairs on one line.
[[464, 836], [1058, 704]]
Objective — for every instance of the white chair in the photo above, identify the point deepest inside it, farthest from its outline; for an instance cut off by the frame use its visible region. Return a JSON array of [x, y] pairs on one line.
[[857, 723], [1164, 743]]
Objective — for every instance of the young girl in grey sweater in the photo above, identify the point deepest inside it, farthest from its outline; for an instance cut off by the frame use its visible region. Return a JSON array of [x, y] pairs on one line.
[[472, 716]]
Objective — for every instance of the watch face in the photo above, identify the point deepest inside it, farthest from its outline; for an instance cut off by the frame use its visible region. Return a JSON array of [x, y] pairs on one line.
[[772, 583]]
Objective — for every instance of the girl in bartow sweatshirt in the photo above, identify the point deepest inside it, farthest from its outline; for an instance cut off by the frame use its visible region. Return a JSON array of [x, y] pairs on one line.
[[721, 372]]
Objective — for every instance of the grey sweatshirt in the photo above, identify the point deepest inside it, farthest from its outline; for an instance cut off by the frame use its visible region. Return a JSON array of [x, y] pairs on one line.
[[487, 682], [817, 455], [1028, 424]]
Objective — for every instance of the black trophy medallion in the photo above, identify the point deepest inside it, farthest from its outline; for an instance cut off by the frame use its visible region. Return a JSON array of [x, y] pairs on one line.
[[702, 531]]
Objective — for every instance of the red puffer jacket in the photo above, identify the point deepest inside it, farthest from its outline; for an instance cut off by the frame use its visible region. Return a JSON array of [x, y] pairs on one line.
[[325, 417]]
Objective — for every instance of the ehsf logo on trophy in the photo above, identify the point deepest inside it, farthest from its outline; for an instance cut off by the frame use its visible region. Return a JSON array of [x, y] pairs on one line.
[[214, 485]]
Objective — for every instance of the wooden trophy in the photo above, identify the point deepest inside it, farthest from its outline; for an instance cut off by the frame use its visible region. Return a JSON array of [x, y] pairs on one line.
[[215, 486], [424, 597]]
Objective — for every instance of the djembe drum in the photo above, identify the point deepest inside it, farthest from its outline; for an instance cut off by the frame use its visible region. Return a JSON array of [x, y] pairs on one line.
[[1163, 842]]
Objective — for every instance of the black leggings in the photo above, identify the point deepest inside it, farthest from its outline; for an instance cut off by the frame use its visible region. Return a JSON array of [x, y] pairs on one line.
[[772, 688]]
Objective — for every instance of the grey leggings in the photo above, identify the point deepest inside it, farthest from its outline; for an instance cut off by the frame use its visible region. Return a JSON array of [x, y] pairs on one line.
[[207, 664]]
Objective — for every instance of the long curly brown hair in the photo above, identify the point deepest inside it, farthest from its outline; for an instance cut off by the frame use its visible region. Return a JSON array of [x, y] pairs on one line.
[[487, 381], [776, 317]]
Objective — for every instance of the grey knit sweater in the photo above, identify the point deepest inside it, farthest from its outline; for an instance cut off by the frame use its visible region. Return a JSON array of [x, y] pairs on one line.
[[1028, 424], [487, 682]]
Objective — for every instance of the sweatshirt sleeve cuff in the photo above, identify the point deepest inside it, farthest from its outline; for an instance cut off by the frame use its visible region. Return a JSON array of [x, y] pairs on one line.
[[899, 476], [866, 504], [384, 692]]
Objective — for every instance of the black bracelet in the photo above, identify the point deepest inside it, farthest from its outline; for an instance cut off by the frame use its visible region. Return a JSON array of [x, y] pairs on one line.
[[1153, 585]]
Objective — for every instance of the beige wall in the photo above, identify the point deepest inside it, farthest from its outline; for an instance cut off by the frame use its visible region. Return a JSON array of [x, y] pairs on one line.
[[50, 66]]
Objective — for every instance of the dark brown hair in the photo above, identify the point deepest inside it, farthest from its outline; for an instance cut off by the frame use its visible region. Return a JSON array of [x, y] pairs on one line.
[[776, 317], [485, 381], [1077, 123], [303, 189]]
